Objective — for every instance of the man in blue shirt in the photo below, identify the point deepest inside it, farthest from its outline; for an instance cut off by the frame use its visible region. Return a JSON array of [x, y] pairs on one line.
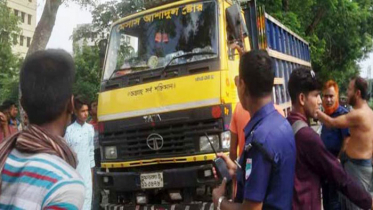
[[333, 139], [266, 174]]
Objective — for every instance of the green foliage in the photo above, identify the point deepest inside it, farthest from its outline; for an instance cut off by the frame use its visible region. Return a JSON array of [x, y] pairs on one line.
[[340, 32], [88, 72], [9, 88], [9, 63], [83, 32], [107, 13]]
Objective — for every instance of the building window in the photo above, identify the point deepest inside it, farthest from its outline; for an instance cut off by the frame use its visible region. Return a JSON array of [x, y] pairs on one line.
[[16, 12], [21, 40], [4, 36], [29, 0], [23, 17], [29, 19], [28, 41], [15, 41]]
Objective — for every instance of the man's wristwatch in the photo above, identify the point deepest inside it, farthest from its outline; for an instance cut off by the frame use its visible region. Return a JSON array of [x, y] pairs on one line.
[[219, 202]]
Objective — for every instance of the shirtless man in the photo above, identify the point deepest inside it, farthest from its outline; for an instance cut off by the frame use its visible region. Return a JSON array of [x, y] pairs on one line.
[[357, 158]]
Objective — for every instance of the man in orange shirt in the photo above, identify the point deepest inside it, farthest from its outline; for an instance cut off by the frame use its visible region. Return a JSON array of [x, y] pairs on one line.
[[240, 119]]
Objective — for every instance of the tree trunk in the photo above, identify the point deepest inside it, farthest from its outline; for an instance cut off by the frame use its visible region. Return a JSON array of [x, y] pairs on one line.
[[316, 20], [45, 26], [285, 5], [42, 34]]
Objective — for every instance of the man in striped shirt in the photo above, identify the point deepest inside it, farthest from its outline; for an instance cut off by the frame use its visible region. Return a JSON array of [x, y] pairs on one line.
[[37, 166]]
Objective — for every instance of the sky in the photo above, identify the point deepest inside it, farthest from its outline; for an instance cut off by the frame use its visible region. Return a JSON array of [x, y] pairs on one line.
[[70, 15], [365, 64]]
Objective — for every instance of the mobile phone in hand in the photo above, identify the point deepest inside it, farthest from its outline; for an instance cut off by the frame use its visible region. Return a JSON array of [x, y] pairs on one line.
[[220, 165], [222, 169]]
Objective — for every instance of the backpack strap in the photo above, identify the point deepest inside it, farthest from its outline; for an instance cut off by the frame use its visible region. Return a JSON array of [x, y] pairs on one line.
[[299, 124]]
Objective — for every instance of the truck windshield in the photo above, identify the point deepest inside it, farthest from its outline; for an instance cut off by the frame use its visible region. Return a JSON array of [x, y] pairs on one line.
[[151, 41]]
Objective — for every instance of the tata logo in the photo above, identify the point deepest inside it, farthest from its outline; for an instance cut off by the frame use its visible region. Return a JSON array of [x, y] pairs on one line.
[[154, 141], [152, 118]]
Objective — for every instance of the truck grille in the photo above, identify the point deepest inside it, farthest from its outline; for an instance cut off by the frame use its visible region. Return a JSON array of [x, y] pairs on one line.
[[178, 139]]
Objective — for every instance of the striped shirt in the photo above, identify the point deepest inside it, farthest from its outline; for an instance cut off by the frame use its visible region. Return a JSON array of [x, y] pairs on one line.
[[40, 181]]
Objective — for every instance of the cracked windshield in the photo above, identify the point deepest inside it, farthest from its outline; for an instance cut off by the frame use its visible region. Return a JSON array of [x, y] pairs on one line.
[[170, 37]]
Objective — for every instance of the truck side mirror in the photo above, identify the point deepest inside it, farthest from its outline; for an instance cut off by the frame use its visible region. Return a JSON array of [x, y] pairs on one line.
[[102, 44], [102, 47], [235, 22]]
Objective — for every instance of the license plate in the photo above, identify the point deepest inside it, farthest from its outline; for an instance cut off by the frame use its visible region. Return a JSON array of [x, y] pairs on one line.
[[151, 180]]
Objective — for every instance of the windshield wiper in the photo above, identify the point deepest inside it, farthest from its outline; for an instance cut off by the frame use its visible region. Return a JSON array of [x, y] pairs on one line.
[[186, 55], [130, 68]]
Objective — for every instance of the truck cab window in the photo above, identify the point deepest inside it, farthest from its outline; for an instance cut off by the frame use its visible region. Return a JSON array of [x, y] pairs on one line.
[[156, 38]]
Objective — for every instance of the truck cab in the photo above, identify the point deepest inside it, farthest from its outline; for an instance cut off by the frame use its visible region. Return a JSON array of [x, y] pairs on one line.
[[167, 86], [167, 90]]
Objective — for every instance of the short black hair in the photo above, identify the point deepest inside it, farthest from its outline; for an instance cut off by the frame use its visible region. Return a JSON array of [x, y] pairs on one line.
[[302, 80], [362, 85], [46, 82], [79, 101], [8, 103], [256, 70]]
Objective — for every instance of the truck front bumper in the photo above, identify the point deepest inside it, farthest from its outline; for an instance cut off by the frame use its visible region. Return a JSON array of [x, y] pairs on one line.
[[177, 178], [200, 206]]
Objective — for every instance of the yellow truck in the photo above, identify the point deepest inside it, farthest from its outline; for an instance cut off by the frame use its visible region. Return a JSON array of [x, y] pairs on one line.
[[167, 84]]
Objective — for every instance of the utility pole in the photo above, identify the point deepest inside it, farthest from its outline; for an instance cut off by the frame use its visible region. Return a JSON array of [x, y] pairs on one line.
[[369, 72], [369, 79]]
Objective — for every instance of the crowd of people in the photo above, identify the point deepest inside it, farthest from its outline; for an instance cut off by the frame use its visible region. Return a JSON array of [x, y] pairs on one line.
[[284, 163], [49, 161], [82, 137]]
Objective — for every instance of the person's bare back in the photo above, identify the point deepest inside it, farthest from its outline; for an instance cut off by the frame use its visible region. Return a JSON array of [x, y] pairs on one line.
[[360, 145], [357, 159], [359, 121]]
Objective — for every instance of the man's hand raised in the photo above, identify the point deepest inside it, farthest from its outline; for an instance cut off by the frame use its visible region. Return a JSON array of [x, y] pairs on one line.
[[3, 120]]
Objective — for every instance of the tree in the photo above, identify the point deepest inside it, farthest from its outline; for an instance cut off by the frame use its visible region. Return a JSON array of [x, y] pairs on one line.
[[347, 35], [107, 13], [339, 31], [45, 26], [88, 72], [9, 65]]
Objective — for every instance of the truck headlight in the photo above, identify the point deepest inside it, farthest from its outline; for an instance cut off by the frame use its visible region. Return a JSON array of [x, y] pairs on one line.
[[204, 144], [111, 152], [141, 199], [226, 139]]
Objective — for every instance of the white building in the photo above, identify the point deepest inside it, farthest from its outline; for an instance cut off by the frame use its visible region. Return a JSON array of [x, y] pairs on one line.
[[26, 11], [92, 37]]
